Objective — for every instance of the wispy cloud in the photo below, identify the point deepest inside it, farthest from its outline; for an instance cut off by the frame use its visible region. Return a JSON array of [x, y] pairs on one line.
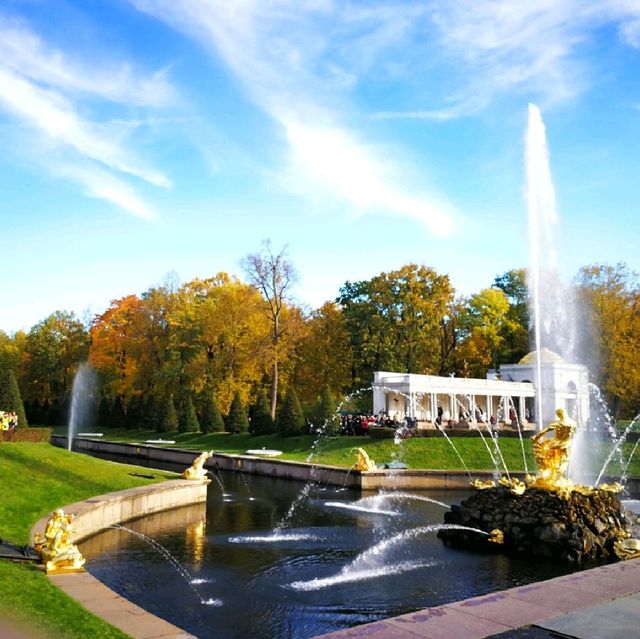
[[44, 90], [299, 60], [498, 46]]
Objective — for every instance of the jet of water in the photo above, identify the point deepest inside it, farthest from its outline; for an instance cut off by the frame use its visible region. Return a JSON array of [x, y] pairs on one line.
[[82, 400]]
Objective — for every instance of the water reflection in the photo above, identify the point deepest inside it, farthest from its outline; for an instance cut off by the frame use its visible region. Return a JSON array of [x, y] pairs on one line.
[[232, 553]]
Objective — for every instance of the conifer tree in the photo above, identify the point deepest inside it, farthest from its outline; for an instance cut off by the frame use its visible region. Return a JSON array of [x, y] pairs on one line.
[[211, 420], [291, 418], [237, 420], [325, 412], [10, 398], [135, 411], [188, 421], [169, 421], [261, 420]]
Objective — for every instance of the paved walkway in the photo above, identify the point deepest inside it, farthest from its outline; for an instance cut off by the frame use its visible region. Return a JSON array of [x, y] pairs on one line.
[[116, 610], [601, 603]]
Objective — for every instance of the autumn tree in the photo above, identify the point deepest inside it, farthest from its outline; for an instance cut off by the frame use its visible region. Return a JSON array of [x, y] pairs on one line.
[[230, 337], [324, 356], [486, 320], [273, 275], [610, 322], [117, 341], [394, 321]]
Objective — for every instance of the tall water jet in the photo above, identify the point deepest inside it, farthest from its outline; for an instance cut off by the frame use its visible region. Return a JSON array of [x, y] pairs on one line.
[[552, 305], [82, 401]]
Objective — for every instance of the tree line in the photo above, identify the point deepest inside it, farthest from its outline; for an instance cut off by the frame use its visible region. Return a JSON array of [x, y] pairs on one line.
[[224, 353]]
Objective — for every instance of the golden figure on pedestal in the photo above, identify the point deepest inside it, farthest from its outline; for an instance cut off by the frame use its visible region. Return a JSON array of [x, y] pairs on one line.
[[552, 453], [196, 470], [58, 552]]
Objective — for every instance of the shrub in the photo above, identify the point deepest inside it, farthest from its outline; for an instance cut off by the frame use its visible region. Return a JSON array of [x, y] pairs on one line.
[[211, 420], [291, 418], [261, 420], [325, 415], [237, 420], [10, 399], [188, 421], [169, 421], [26, 435]]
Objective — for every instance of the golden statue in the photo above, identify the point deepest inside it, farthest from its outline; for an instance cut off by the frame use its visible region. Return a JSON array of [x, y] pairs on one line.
[[496, 536], [483, 484], [552, 453], [627, 548], [515, 486], [362, 460], [616, 487], [196, 470], [58, 552]]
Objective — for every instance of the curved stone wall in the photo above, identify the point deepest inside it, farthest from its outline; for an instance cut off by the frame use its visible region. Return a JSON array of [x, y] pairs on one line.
[[98, 513]]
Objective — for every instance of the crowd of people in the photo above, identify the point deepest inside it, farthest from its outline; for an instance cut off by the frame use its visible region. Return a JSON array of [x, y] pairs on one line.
[[359, 424]]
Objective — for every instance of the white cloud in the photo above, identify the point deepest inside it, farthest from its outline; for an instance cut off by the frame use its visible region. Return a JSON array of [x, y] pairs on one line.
[[105, 186], [297, 60], [43, 90], [25, 53]]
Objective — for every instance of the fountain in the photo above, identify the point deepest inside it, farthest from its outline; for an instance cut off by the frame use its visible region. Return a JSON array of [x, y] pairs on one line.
[[82, 401], [358, 550], [550, 515]]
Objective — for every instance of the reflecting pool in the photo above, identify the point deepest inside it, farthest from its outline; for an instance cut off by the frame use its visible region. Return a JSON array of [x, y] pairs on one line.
[[339, 560]]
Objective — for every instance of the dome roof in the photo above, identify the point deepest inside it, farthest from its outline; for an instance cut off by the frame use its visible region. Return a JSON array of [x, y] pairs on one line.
[[546, 357]]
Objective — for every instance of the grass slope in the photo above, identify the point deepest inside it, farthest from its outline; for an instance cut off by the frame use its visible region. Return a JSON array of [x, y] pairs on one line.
[[434, 453], [37, 478]]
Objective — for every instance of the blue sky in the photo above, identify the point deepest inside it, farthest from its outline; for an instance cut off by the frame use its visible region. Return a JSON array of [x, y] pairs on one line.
[[144, 137]]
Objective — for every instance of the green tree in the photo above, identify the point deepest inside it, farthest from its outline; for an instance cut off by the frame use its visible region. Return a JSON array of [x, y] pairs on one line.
[[187, 420], [395, 321], [516, 342], [291, 417], [53, 350], [261, 421], [237, 420], [169, 421], [211, 420], [10, 398], [325, 413]]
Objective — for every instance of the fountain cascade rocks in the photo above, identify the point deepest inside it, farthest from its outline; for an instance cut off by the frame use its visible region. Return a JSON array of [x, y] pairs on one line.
[[577, 527], [548, 515]]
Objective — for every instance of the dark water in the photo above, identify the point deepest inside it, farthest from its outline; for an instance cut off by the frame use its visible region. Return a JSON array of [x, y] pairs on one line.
[[264, 589]]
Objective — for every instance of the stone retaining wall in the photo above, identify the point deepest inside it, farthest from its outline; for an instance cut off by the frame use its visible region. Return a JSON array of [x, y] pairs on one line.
[[98, 513]]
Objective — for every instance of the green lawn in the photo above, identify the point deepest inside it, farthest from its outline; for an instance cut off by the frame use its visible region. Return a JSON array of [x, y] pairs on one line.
[[36, 478], [418, 453]]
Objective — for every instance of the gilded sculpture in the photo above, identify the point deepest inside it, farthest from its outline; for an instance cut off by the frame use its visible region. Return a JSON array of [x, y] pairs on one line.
[[363, 462], [59, 554], [551, 449], [197, 470]]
